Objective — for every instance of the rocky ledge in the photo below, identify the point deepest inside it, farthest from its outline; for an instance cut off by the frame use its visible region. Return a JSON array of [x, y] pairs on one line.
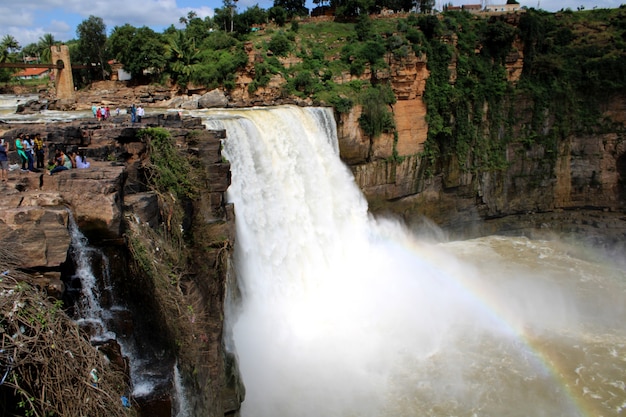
[[36, 211], [36, 206]]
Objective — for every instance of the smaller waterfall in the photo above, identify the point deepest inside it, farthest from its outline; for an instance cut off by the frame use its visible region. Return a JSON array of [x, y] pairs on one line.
[[100, 313], [89, 307], [180, 405]]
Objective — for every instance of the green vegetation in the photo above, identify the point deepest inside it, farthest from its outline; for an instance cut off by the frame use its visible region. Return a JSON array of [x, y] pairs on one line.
[[173, 261], [161, 255], [376, 117], [168, 170], [573, 62]]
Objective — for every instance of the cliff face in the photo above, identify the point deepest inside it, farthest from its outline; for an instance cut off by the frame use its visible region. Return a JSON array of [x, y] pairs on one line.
[[586, 172], [178, 321]]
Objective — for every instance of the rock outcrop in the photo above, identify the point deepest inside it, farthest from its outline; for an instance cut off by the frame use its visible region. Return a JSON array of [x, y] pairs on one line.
[[105, 200]]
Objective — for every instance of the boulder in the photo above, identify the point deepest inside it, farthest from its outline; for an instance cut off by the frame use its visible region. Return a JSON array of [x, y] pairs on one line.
[[190, 104], [38, 235], [143, 208], [214, 98], [31, 106], [94, 196]]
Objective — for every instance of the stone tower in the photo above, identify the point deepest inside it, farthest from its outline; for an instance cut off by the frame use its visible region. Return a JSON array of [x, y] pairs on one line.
[[60, 55]]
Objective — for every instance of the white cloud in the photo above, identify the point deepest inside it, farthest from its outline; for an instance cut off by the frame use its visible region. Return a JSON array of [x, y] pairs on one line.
[[9, 16], [201, 12], [27, 20]]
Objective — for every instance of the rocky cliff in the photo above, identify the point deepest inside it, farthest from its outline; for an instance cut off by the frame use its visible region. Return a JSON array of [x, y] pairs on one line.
[[558, 186], [175, 322]]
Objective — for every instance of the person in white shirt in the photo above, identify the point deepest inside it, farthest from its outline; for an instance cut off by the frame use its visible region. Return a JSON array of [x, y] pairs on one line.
[[140, 113], [81, 161]]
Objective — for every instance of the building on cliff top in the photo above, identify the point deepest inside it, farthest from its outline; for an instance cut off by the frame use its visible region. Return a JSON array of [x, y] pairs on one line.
[[509, 7], [503, 8]]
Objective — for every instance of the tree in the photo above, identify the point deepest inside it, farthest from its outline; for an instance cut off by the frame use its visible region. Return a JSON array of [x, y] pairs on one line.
[[45, 43], [278, 15], [7, 46], [196, 27], [364, 28], [92, 42], [254, 15], [426, 6], [182, 57], [223, 17], [32, 49], [497, 39], [292, 7], [352, 8], [139, 50]]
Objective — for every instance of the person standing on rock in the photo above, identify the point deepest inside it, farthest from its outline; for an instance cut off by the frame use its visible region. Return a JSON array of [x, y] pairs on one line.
[[133, 114], [140, 113], [19, 147], [28, 145], [39, 152], [4, 161]]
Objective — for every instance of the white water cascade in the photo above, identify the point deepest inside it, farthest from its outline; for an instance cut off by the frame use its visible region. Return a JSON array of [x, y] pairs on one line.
[[95, 287], [340, 314], [89, 307]]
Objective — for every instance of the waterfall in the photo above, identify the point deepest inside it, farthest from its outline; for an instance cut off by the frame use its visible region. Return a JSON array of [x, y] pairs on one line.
[[98, 312], [89, 307], [317, 302], [181, 404], [341, 314]]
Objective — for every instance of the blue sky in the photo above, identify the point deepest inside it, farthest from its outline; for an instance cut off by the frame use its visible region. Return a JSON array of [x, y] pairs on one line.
[[28, 20]]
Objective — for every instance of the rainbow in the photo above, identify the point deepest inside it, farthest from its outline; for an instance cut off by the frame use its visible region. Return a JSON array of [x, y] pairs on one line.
[[547, 361]]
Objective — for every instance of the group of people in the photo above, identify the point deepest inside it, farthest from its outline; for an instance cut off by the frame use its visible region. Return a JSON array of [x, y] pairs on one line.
[[104, 113], [136, 113], [101, 112], [73, 160], [31, 152]]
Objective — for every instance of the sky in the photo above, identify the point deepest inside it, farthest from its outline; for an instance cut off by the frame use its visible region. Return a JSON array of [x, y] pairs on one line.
[[29, 20]]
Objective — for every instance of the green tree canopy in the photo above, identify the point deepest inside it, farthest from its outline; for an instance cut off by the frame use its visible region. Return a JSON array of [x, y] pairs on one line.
[[292, 7], [7, 46], [223, 17], [351, 8], [278, 15], [139, 50], [183, 57], [45, 43], [92, 42]]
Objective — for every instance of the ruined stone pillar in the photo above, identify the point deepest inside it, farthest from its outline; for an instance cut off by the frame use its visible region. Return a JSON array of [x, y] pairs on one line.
[[60, 54]]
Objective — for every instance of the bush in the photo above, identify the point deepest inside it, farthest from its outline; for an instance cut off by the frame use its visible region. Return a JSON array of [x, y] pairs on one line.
[[341, 104], [376, 117], [280, 44]]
